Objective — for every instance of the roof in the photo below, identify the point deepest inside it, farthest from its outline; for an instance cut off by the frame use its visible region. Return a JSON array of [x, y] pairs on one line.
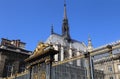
[[15, 49], [58, 39]]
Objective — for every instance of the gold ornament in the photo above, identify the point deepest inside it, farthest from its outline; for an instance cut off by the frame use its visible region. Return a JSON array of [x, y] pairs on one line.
[[43, 75]]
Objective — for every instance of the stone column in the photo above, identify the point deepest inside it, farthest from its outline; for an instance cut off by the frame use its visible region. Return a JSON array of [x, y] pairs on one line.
[[62, 53], [78, 61], [70, 55], [56, 56]]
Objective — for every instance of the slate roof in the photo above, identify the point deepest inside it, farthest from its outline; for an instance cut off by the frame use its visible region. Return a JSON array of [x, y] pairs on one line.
[[58, 39]]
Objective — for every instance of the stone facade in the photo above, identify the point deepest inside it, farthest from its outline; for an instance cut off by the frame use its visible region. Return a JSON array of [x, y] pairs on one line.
[[109, 64], [12, 56]]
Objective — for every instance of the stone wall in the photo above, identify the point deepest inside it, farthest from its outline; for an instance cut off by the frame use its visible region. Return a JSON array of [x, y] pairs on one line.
[[2, 64]]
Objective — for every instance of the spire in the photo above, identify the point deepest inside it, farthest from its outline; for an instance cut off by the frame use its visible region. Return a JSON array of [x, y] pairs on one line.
[[65, 25], [65, 12], [90, 46], [52, 30]]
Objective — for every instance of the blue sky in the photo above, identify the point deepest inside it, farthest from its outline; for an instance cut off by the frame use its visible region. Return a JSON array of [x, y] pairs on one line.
[[31, 20]]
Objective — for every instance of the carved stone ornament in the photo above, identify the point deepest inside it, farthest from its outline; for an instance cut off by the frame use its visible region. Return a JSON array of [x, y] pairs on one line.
[[43, 75], [41, 46], [35, 76]]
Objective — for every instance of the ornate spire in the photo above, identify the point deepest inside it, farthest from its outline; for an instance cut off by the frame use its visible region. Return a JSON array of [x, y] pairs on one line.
[[52, 30], [65, 26], [65, 12], [90, 46]]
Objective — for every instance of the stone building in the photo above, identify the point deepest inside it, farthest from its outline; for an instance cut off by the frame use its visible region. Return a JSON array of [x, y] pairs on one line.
[[67, 48], [12, 55], [109, 62]]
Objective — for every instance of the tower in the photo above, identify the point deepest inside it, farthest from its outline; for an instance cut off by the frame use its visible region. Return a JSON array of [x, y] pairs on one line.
[[90, 47], [65, 25]]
